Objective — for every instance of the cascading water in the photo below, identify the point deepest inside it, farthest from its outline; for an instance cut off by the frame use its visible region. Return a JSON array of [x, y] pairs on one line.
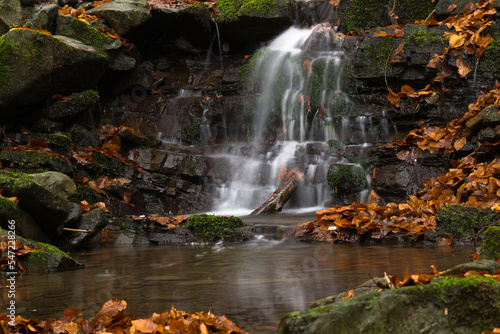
[[296, 102]]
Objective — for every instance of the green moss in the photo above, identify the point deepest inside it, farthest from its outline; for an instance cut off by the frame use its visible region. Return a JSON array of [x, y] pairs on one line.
[[191, 133], [201, 13], [31, 162], [109, 165], [491, 242], [464, 221], [160, 180], [213, 228], [490, 61], [348, 179], [228, 10], [258, 7], [376, 54], [14, 181], [84, 193], [87, 35]]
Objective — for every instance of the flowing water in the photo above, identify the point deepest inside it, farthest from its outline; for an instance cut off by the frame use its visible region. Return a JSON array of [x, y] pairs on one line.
[[254, 283]]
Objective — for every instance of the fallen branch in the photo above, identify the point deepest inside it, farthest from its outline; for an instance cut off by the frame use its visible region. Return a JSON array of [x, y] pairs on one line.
[[279, 197], [475, 236], [77, 230]]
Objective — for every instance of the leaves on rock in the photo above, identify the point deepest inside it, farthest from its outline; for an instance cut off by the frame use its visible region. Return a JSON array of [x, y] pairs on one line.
[[11, 253]]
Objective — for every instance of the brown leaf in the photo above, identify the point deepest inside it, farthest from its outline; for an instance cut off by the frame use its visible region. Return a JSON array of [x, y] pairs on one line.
[[445, 242], [451, 7], [463, 68], [460, 143], [104, 236], [144, 325], [109, 311]]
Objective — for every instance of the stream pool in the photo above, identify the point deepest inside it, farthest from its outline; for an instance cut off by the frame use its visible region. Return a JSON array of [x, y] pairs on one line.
[[253, 283]]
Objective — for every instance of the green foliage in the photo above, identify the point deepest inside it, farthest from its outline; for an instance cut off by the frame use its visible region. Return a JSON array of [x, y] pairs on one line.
[[464, 221], [191, 133], [213, 228], [230, 10], [257, 7], [490, 61]]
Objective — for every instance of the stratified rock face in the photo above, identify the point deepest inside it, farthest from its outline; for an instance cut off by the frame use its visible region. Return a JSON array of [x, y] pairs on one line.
[[34, 66], [124, 16], [448, 305]]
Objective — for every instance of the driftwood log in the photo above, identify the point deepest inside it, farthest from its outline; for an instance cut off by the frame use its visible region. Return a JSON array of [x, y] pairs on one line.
[[279, 197]]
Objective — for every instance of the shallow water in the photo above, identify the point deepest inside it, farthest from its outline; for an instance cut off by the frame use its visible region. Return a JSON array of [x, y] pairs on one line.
[[254, 283]]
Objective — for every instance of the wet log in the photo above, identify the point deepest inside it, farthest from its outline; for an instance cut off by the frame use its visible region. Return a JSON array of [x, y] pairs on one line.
[[279, 197]]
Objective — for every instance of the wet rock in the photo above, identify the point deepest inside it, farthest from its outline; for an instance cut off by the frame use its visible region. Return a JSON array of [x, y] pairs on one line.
[[124, 16], [44, 125], [43, 17], [196, 25], [47, 259], [73, 105], [10, 14], [57, 183], [27, 3], [48, 210], [490, 247], [442, 8], [164, 236], [130, 136], [476, 123], [93, 221], [214, 228], [492, 117], [74, 28], [24, 224], [37, 65], [460, 221], [447, 305], [491, 135]]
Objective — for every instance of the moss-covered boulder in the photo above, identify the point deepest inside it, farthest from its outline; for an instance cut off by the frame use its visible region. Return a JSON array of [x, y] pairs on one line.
[[214, 228], [490, 248], [81, 136], [74, 105], [74, 28], [267, 18], [458, 220], [47, 259], [124, 16], [49, 211], [356, 14], [34, 66], [447, 305], [57, 142], [35, 162], [346, 179]]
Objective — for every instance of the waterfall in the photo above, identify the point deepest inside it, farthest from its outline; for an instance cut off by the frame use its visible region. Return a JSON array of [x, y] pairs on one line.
[[296, 105]]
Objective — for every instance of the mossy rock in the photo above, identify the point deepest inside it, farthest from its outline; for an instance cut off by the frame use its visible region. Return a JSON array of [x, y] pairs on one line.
[[83, 137], [74, 28], [85, 193], [74, 105], [356, 14], [346, 179], [490, 248], [230, 10], [213, 228], [447, 305], [458, 220], [47, 259], [57, 142], [35, 162], [490, 61]]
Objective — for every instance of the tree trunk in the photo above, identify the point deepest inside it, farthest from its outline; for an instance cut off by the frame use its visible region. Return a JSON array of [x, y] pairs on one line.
[[279, 197]]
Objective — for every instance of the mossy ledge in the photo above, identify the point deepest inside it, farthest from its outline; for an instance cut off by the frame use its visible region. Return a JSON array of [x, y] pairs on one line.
[[213, 228]]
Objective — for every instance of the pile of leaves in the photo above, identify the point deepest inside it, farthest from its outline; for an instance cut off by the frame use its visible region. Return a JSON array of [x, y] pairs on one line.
[[467, 183], [110, 319], [169, 222], [471, 37], [9, 255]]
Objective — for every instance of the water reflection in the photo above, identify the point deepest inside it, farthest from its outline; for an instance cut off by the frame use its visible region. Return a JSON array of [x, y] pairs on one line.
[[254, 284]]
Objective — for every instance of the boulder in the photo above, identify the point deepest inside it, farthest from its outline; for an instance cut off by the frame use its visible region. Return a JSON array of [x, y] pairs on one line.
[[267, 18], [48, 210], [124, 16], [73, 105], [74, 28], [57, 183], [346, 178], [43, 17], [47, 259], [214, 228], [447, 305], [93, 221], [24, 224], [196, 25], [34, 161], [35, 65], [57, 142], [487, 266], [10, 14], [83, 137]]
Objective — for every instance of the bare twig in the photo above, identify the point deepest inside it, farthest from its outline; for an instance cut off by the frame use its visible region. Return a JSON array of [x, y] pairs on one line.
[[475, 236], [77, 230]]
